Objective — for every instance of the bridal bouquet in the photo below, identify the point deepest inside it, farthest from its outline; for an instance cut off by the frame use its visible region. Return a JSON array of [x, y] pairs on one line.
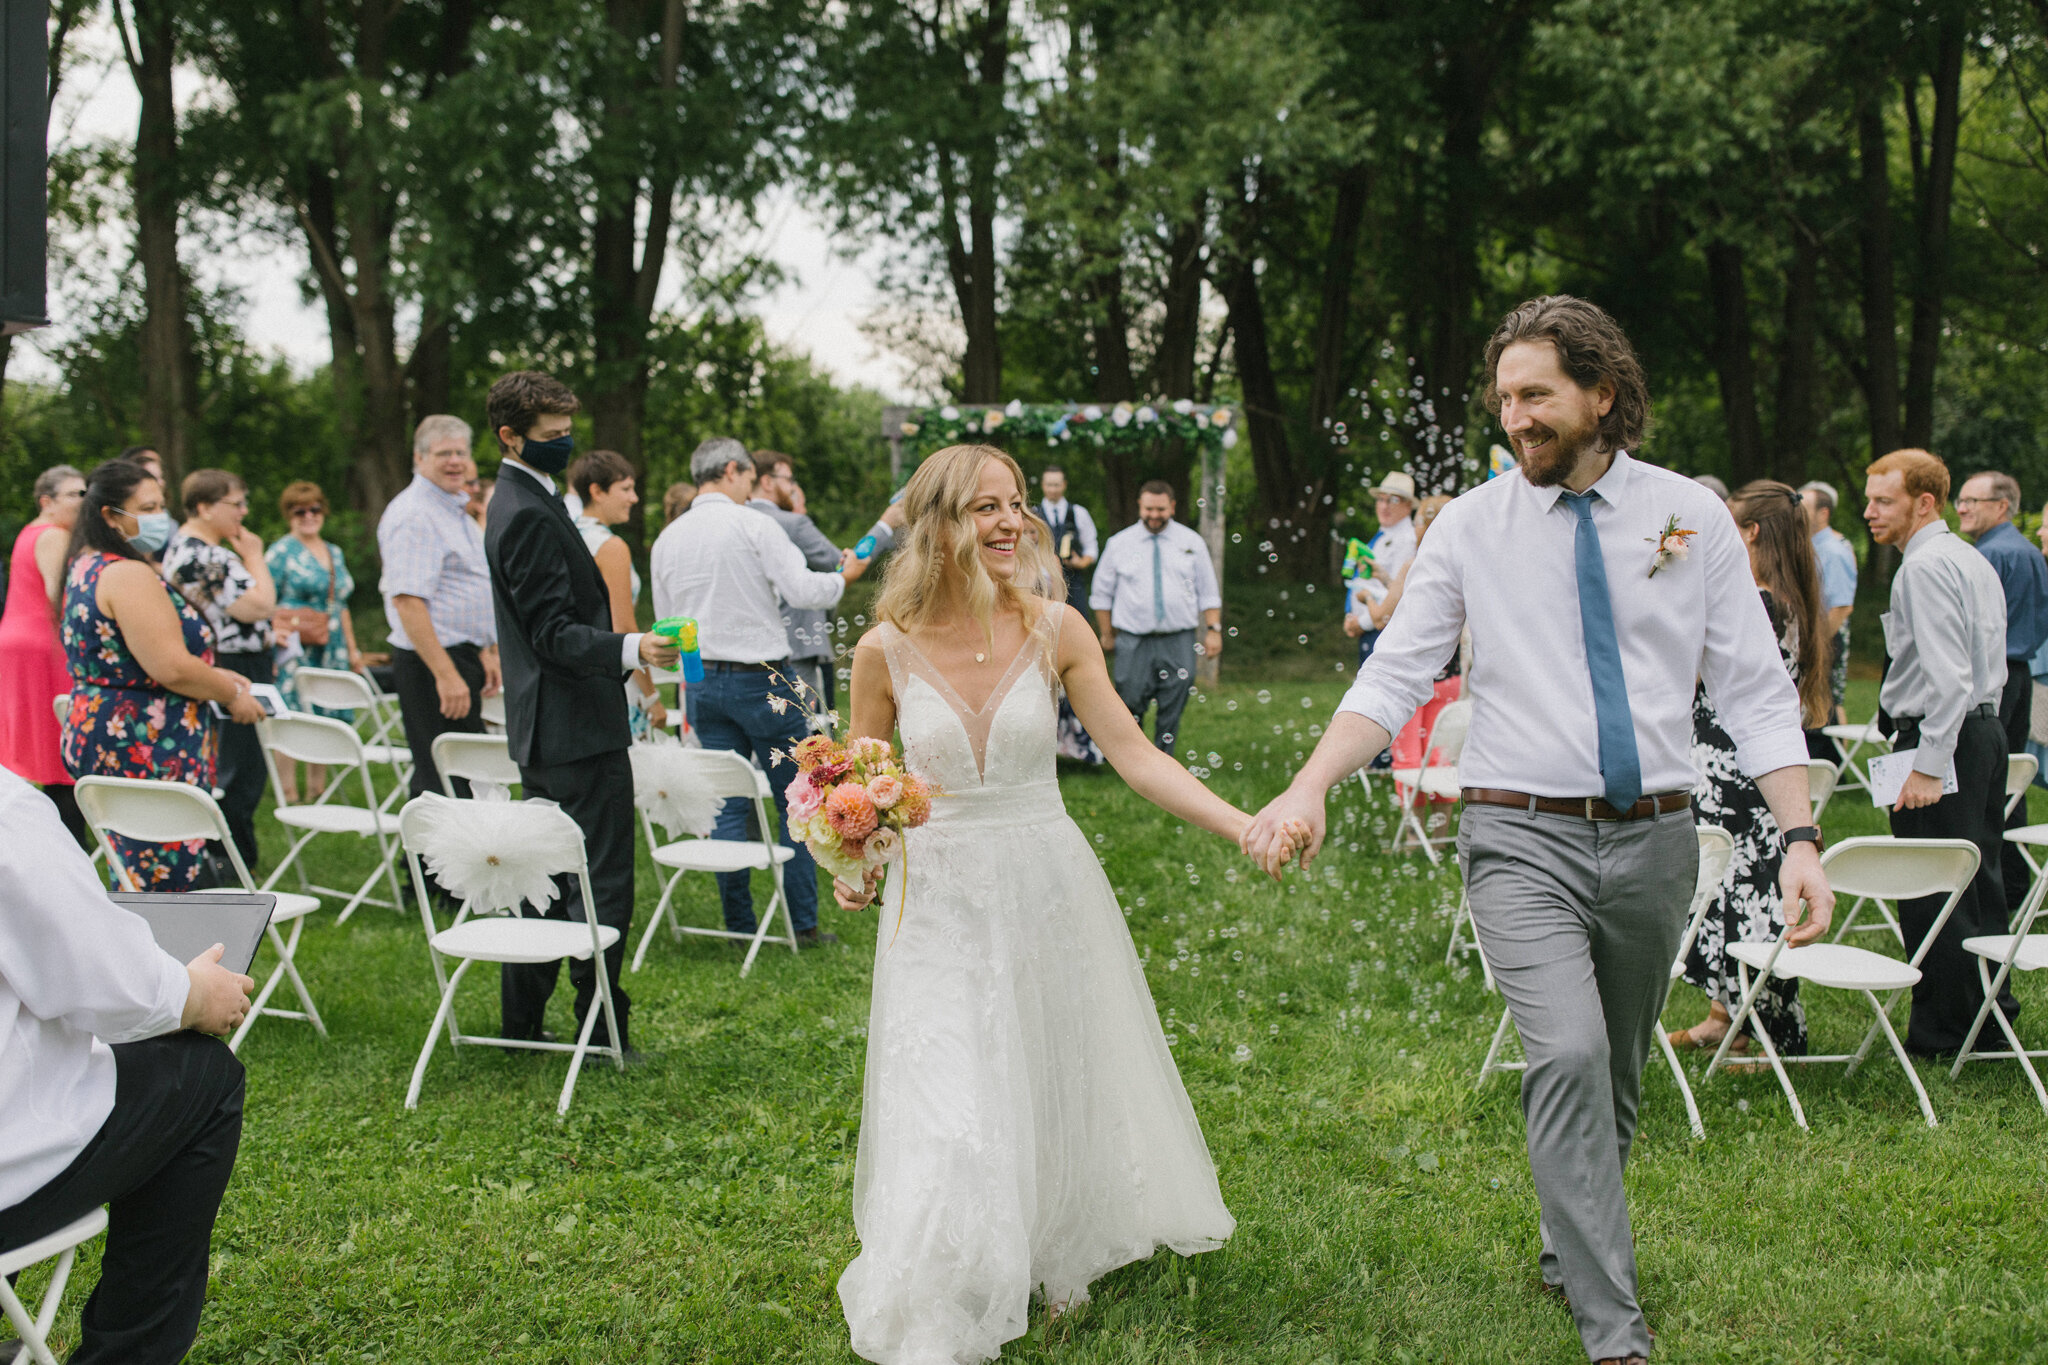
[[851, 803]]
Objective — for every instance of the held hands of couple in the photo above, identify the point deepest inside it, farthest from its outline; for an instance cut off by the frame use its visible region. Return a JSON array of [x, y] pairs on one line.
[[218, 999], [1291, 825]]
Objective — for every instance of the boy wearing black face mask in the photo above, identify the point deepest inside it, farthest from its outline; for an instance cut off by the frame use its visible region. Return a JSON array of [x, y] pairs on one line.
[[565, 711]]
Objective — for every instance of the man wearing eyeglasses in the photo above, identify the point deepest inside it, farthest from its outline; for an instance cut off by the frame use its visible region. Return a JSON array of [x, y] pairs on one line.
[[1985, 508]]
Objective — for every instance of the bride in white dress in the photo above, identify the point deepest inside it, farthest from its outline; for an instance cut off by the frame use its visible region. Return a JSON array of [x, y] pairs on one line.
[[1024, 1127]]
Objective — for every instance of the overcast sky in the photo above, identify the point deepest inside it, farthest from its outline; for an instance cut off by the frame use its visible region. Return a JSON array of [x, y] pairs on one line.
[[817, 312]]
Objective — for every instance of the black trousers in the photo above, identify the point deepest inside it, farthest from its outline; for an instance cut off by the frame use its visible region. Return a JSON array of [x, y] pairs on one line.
[[242, 772], [597, 793], [2015, 715], [419, 708], [160, 1162], [1949, 995]]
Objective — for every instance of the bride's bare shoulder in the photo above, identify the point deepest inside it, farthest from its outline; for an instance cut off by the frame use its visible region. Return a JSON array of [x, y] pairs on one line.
[[876, 637]]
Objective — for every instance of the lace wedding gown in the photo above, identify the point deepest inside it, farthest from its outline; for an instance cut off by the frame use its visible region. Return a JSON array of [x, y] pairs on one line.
[[1024, 1126]]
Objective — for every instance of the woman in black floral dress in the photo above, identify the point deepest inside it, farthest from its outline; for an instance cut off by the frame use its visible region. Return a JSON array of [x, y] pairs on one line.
[[1746, 908]]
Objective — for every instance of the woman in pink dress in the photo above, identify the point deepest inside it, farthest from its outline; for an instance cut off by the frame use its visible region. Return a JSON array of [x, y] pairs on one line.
[[32, 669]]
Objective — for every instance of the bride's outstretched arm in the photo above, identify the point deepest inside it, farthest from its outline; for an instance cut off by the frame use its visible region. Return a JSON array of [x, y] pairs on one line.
[[1152, 774]]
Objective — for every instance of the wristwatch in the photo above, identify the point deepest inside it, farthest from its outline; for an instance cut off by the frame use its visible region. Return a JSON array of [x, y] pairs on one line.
[[1803, 834]]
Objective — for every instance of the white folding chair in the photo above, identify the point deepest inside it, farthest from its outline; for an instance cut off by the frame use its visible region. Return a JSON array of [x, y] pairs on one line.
[[322, 739], [728, 776], [1717, 849], [475, 759], [525, 842], [2022, 950], [174, 813], [1821, 777], [1877, 868], [2019, 775], [334, 689], [1850, 741], [63, 1244], [1437, 777], [1848, 924]]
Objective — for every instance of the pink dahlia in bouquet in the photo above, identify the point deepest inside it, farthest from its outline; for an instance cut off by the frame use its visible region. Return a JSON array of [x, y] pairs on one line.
[[851, 803]]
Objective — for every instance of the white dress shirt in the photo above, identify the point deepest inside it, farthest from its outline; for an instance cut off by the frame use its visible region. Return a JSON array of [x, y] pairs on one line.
[[629, 655], [1123, 579], [1946, 637], [725, 565], [1502, 560], [76, 972], [1085, 539]]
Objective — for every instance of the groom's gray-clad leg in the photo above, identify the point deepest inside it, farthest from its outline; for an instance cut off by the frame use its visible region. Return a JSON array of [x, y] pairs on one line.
[[1580, 921]]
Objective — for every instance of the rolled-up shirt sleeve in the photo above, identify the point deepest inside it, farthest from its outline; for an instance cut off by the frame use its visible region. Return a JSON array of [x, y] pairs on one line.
[[1400, 673], [794, 580], [1207, 596], [1744, 674], [68, 952], [1933, 605], [1102, 590]]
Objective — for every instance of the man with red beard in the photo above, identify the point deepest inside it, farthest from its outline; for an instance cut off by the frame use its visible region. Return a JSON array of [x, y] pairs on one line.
[[1597, 589]]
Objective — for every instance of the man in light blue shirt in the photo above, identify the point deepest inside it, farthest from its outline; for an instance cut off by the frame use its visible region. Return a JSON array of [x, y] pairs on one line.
[[1837, 593]]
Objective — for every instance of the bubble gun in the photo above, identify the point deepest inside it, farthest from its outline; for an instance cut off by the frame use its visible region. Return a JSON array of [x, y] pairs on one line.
[[683, 630], [1358, 560]]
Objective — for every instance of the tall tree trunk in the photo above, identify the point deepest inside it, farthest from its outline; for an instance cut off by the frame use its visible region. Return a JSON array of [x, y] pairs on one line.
[[1931, 257], [1277, 472], [170, 401], [1453, 350], [1180, 329], [626, 261], [429, 370], [971, 257], [1880, 369], [1735, 361], [1173, 362], [1333, 316], [1797, 427]]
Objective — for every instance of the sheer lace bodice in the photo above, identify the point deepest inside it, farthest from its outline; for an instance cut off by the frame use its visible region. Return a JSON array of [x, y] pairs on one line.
[[1023, 1125], [1008, 741]]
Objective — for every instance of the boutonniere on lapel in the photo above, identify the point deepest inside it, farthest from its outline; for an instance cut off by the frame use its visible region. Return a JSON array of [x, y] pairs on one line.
[[1671, 544]]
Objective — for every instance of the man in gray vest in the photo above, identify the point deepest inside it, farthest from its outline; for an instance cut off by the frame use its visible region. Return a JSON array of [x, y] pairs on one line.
[[1597, 589]]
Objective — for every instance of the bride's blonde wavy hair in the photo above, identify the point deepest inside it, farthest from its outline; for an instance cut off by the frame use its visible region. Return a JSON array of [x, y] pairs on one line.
[[938, 537]]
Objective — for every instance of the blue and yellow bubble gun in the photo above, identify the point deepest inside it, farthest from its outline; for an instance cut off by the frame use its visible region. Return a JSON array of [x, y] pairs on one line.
[[683, 630]]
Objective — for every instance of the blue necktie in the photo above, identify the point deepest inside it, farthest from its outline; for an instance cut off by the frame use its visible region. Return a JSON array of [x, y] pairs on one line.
[[1619, 765], [1158, 588]]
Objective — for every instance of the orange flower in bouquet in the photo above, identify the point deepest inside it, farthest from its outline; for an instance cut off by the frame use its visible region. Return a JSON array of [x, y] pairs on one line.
[[851, 804]]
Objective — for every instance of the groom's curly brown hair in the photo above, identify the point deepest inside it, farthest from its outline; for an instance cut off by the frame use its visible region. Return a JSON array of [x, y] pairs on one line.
[[1592, 349]]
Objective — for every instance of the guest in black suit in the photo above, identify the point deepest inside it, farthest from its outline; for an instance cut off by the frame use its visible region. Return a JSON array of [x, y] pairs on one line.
[[565, 711]]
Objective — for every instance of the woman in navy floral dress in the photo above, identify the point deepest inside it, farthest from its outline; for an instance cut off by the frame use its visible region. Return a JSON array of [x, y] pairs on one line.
[[1747, 908], [141, 662]]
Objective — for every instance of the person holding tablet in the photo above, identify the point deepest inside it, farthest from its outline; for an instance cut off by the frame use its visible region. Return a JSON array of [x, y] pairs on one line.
[[109, 1091]]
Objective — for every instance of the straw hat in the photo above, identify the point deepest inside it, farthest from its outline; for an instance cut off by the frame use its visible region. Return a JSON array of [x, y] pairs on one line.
[[1395, 485]]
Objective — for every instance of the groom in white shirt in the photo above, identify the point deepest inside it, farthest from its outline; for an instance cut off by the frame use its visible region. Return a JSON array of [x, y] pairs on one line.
[[1597, 589]]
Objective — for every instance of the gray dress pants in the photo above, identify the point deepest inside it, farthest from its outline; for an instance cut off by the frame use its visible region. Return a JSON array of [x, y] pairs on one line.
[[1156, 666], [1580, 921]]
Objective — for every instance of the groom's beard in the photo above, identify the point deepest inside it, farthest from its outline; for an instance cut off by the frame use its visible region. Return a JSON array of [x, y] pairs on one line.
[[1554, 464]]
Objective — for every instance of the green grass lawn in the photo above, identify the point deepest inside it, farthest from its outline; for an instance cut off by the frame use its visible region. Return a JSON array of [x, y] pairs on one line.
[[698, 1209]]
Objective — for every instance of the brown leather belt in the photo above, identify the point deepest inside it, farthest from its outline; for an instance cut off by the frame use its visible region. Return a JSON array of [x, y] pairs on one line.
[[1585, 807]]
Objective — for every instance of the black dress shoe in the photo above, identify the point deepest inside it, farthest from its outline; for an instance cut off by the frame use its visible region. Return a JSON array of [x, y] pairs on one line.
[[814, 938]]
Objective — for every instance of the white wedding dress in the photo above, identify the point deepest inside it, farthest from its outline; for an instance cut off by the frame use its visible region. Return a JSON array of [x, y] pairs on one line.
[[1024, 1126]]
